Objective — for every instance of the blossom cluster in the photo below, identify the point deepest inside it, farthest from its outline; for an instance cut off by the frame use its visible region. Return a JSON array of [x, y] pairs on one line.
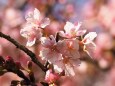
[[63, 49]]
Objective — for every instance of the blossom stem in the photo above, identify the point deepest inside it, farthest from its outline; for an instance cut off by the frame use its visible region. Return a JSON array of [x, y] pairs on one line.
[[23, 48]]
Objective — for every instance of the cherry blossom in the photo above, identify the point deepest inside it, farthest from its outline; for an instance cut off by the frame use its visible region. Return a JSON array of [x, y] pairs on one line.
[[50, 52], [89, 45], [69, 47], [72, 30], [70, 56], [31, 30], [63, 54], [36, 20]]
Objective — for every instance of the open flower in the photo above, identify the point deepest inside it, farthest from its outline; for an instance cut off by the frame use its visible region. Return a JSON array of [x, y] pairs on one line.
[[63, 54], [72, 30], [50, 52], [32, 30], [69, 47], [36, 19], [89, 45], [70, 56]]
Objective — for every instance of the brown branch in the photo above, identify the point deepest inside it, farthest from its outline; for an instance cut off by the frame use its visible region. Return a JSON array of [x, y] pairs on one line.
[[27, 51]]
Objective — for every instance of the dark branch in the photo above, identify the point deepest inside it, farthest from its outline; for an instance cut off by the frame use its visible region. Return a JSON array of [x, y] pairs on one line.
[[23, 48]]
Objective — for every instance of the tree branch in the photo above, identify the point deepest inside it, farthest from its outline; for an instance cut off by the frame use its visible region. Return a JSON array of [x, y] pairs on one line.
[[23, 48]]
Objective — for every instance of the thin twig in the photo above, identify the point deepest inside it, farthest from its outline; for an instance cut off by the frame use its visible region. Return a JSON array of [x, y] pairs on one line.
[[23, 48]]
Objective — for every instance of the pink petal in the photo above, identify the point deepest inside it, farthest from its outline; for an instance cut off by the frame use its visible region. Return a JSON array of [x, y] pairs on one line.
[[77, 27], [68, 27], [31, 41], [45, 41], [27, 30], [45, 22], [89, 37], [90, 49], [43, 54], [81, 32], [61, 33], [29, 17], [24, 33], [54, 56], [66, 35], [36, 14], [68, 47], [59, 66], [70, 70], [48, 42], [51, 56]]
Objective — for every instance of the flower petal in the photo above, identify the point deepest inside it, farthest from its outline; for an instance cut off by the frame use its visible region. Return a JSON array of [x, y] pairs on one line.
[[68, 47], [45, 41], [51, 56], [90, 49], [77, 26], [81, 32], [61, 33], [31, 41], [43, 53], [26, 30], [36, 14], [68, 27], [89, 37], [48, 42], [45, 22], [70, 70], [29, 17]]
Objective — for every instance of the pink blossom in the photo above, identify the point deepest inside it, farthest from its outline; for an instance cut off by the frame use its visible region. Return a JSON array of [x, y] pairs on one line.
[[31, 30], [72, 30], [63, 54], [69, 48], [36, 20], [49, 52], [89, 45]]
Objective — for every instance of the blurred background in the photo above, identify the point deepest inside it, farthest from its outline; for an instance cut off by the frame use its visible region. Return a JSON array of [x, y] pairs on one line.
[[96, 15]]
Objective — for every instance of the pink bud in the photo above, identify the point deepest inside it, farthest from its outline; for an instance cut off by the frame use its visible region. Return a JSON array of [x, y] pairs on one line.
[[51, 77]]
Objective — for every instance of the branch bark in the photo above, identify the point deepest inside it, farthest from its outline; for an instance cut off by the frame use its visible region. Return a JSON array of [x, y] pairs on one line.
[[23, 48]]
